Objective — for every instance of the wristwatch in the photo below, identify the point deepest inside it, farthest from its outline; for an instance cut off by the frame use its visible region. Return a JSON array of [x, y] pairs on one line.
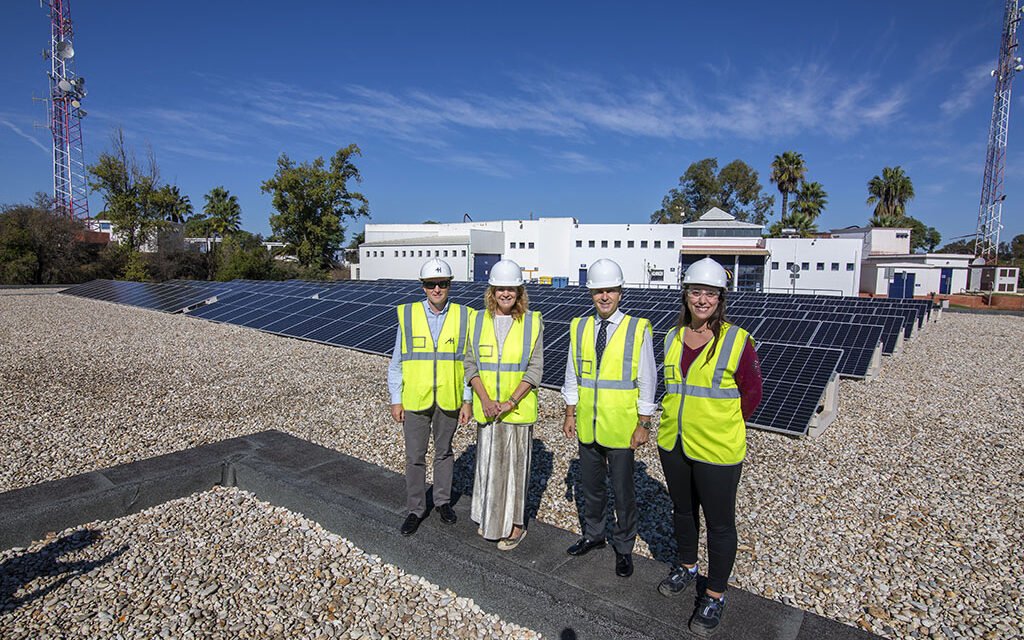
[[646, 424]]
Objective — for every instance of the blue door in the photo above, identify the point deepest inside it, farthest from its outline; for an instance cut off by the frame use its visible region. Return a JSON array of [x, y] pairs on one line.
[[482, 263], [946, 281], [583, 277], [902, 285]]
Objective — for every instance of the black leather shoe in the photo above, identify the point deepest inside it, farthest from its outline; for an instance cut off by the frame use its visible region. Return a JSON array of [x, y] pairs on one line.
[[411, 524], [584, 545], [447, 514], [623, 564]]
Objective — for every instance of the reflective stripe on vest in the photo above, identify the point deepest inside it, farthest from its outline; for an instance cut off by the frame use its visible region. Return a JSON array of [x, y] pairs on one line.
[[501, 377], [608, 392], [432, 374], [704, 410]]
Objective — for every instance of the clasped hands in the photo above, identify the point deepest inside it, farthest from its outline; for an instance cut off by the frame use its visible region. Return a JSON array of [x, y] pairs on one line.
[[493, 409]]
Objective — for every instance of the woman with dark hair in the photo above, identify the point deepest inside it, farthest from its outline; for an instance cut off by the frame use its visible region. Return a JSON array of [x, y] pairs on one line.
[[504, 366], [712, 386]]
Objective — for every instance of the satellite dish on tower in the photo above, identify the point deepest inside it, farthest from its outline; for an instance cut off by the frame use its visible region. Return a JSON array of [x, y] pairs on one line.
[[64, 50], [978, 262], [66, 86]]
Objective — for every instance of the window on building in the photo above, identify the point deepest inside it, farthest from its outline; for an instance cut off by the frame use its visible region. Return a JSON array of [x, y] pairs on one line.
[[522, 245], [446, 253], [420, 253], [463, 253], [591, 244], [1004, 286], [403, 254], [805, 266], [367, 254], [529, 245], [671, 244], [789, 266], [643, 244], [579, 244], [820, 266], [630, 244], [618, 244], [396, 253], [604, 244], [902, 236], [849, 266], [1004, 273], [658, 275], [657, 244], [835, 266], [511, 245]]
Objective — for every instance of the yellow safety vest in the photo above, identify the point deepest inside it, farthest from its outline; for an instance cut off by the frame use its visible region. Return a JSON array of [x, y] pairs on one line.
[[704, 410], [432, 374], [608, 391], [501, 377]]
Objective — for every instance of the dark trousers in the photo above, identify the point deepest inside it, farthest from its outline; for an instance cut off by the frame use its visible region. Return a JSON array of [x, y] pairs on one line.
[[696, 486], [596, 463], [417, 428]]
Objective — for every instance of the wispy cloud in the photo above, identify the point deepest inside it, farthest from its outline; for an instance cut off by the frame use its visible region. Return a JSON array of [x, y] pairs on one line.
[[972, 86], [574, 162], [16, 129]]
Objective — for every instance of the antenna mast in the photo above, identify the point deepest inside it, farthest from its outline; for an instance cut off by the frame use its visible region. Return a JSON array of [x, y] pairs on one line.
[[64, 105]]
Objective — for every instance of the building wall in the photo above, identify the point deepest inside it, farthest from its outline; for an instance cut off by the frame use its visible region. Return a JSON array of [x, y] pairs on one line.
[[379, 262], [827, 265]]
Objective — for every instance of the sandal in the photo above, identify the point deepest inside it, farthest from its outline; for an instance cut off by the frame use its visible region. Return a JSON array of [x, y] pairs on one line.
[[510, 543]]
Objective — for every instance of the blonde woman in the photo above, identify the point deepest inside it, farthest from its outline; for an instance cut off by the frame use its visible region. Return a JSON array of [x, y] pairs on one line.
[[504, 368]]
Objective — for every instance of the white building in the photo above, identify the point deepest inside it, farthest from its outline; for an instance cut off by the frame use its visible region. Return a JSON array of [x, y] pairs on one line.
[[651, 255], [878, 241], [915, 274]]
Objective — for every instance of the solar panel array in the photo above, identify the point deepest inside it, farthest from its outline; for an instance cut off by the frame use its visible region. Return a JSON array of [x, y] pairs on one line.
[[804, 342]]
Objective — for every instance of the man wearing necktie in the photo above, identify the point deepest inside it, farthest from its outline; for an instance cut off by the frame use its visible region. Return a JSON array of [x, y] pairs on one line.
[[610, 381]]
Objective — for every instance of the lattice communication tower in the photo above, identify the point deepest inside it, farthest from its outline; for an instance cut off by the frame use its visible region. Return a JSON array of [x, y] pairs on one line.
[[64, 106]]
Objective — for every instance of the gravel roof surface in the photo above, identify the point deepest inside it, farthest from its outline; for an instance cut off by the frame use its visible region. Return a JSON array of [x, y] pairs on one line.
[[904, 518]]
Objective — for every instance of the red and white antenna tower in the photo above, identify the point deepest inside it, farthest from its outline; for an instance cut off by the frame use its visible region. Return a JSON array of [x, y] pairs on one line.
[[64, 105]]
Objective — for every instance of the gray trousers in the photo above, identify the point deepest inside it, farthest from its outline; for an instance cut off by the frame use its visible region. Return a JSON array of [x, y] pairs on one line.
[[597, 462], [417, 428]]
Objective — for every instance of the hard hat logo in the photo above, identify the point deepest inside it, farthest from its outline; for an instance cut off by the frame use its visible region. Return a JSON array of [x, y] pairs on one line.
[[435, 268]]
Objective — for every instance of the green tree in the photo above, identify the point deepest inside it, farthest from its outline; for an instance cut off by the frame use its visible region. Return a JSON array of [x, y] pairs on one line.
[[810, 201], [244, 256], [1017, 248], [965, 247], [890, 193], [921, 235], [800, 223], [37, 245], [223, 213], [129, 193], [788, 169], [735, 189], [312, 202], [173, 206]]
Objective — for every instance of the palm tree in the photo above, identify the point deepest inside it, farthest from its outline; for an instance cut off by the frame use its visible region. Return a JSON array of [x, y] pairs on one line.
[[222, 211], [810, 200], [890, 194], [174, 207], [788, 170]]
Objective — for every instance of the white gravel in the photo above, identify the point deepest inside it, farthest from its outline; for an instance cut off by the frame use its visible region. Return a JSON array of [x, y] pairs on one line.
[[904, 518]]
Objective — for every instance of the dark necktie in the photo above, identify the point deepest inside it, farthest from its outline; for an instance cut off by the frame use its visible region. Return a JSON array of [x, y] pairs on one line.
[[602, 339]]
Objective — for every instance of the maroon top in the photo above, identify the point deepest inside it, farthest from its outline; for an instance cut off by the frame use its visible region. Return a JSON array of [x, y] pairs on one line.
[[748, 375]]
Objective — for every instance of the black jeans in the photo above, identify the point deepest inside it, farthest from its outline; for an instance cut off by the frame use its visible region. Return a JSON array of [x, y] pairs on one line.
[[596, 463], [696, 486]]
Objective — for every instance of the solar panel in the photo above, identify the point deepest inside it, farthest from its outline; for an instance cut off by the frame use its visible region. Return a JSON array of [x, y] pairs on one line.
[[800, 388]]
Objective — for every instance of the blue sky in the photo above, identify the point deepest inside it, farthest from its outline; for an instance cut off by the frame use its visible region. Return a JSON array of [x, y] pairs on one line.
[[501, 110]]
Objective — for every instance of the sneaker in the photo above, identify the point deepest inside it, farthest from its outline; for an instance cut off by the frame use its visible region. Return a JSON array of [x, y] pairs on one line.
[[679, 578], [707, 617]]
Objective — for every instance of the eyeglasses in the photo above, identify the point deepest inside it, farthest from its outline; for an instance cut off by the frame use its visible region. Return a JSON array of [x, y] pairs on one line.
[[697, 294], [444, 284]]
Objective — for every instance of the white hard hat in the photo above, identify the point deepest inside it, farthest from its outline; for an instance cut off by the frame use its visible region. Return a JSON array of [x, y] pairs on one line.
[[706, 271], [604, 274], [505, 273], [435, 268]]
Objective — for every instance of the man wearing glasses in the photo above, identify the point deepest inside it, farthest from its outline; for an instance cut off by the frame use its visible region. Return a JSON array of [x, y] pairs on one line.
[[609, 389], [426, 380]]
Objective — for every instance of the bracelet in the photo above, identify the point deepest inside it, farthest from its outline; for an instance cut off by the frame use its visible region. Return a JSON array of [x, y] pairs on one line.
[[514, 401]]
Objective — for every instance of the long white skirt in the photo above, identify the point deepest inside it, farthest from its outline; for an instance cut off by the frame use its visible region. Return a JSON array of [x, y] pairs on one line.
[[502, 477]]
